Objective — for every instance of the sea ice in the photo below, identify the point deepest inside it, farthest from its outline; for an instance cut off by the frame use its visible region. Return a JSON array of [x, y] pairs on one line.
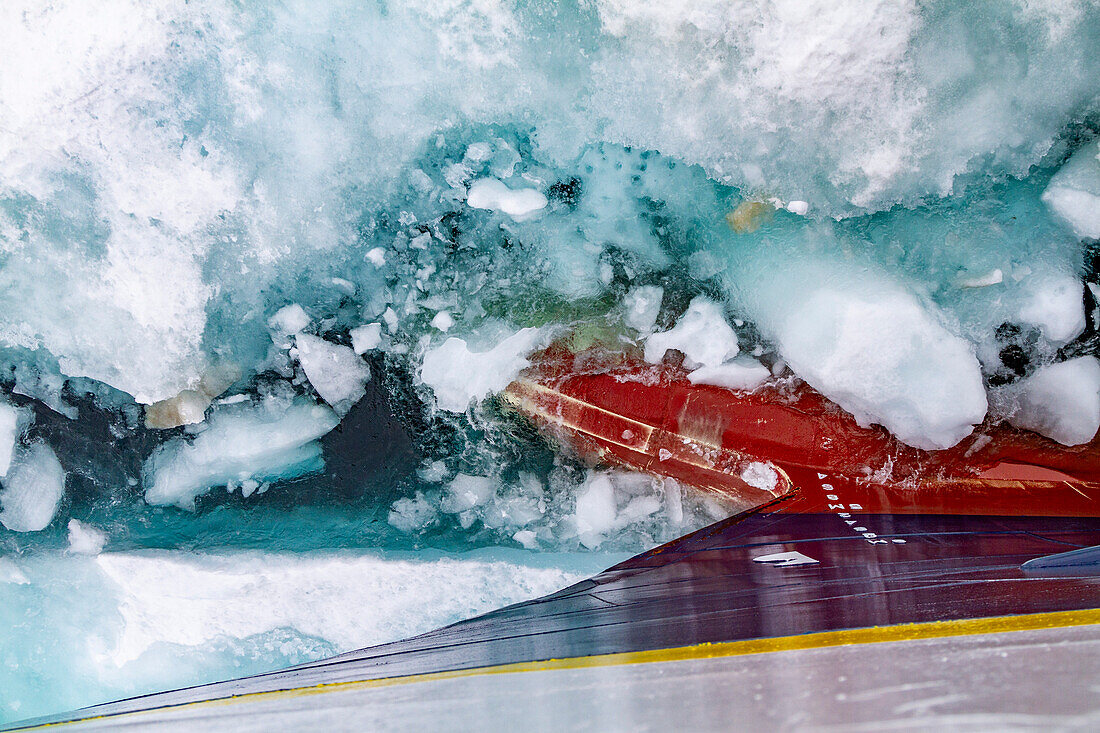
[[490, 193], [701, 334], [337, 372], [458, 376], [1060, 401], [743, 373], [32, 489], [85, 539], [1074, 191], [266, 441]]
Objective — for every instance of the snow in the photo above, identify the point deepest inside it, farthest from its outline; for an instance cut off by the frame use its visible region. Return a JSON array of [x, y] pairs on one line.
[[701, 334], [9, 435], [1073, 193], [366, 338], [85, 539], [271, 440], [1060, 401], [743, 373], [884, 357], [32, 489], [761, 476], [643, 305], [337, 372], [459, 376], [493, 194]]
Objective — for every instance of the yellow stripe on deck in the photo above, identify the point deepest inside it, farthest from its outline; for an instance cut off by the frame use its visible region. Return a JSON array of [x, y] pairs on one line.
[[872, 635]]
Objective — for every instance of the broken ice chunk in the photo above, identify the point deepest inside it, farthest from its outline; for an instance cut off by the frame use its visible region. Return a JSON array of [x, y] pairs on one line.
[[739, 374], [9, 434], [701, 334], [337, 373], [443, 321], [596, 511], [32, 489], [1060, 401], [413, 515], [85, 539], [798, 207], [466, 492], [491, 193], [1054, 303], [186, 408], [289, 320], [1074, 192], [365, 338], [271, 440], [993, 277], [642, 305], [459, 376], [377, 256]]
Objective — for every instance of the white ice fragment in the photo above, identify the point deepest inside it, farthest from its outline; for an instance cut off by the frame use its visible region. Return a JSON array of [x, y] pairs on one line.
[[1054, 303], [9, 434], [377, 256], [391, 319], [459, 376], [421, 241], [643, 304], [466, 492], [270, 440], [249, 487], [85, 539], [443, 321], [365, 338], [742, 373], [491, 193], [337, 373], [1074, 192], [596, 511], [527, 538], [702, 334], [433, 473], [186, 408], [12, 573], [1060, 401], [760, 476], [886, 359], [32, 489], [993, 277], [798, 207], [413, 514], [289, 320]]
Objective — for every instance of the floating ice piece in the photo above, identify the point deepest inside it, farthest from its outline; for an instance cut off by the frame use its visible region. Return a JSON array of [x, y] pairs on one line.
[[886, 359], [33, 488], [1054, 303], [337, 373], [12, 573], [9, 434], [377, 257], [413, 514], [491, 193], [739, 374], [459, 376], [527, 538], [85, 539], [1060, 401], [643, 305], [443, 321], [701, 334], [994, 277], [289, 320], [466, 492], [1074, 192], [798, 207], [186, 408], [365, 338], [596, 511], [760, 476], [272, 440]]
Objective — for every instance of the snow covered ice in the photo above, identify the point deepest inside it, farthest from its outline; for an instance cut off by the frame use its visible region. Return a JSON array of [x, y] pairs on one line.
[[266, 269]]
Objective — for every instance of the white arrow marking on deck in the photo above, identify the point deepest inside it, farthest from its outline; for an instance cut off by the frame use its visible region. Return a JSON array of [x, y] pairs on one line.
[[786, 559]]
